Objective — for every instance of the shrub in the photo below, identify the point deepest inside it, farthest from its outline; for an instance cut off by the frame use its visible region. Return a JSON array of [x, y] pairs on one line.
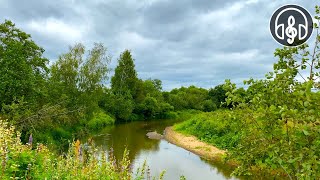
[[135, 117], [170, 115], [100, 120]]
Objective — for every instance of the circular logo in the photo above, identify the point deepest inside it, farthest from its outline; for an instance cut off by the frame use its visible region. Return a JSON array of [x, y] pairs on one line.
[[291, 25]]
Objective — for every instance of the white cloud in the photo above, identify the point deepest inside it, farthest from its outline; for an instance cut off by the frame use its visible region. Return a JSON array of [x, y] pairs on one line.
[[247, 56], [252, 1], [52, 27], [133, 40]]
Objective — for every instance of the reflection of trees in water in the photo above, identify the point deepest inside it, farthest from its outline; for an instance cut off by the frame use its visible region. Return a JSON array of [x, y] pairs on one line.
[[221, 167], [131, 136], [226, 170]]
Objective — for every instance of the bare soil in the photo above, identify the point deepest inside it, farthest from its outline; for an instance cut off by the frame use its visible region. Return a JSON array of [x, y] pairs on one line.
[[191, 143]]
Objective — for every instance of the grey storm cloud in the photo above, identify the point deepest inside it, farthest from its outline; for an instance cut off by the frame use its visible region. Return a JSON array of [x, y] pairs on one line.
[[181, 42]]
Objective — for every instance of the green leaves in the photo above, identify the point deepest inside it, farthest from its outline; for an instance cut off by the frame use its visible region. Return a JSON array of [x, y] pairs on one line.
[[125, 77], [305, 132], [284, 128], [22, 66]]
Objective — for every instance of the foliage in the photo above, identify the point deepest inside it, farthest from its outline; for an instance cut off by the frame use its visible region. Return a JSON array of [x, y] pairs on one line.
[[187, 98], [43, 100], [100, 120], [125, 76], [273, 126], [19, 161], [22, 66], [217, 95], [131, 98], [209, 105], [170, 115], [219, 128], [123, 106], [282, 133], [79, 79]]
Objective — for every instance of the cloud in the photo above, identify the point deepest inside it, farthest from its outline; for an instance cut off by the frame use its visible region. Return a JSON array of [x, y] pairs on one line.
[[56, 28], [181, 42]]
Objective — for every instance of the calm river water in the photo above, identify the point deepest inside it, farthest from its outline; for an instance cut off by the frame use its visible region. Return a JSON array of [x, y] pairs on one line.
[[159, 154]]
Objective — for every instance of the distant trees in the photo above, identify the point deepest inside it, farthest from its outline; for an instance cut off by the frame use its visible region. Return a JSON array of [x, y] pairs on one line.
[[133, 98], [151, 103], [187, 98], [64, 99], [196, 98]]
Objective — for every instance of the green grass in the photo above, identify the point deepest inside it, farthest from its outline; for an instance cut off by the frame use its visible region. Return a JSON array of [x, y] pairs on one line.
[[219, 128]]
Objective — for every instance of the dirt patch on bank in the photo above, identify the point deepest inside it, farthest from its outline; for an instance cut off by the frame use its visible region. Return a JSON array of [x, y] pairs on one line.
[[191, 143]]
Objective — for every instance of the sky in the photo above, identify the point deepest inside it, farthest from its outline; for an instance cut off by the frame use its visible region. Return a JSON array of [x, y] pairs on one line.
[[181, 42]]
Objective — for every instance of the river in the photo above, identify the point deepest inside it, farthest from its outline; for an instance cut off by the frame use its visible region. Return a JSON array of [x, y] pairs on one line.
[[159, 154]]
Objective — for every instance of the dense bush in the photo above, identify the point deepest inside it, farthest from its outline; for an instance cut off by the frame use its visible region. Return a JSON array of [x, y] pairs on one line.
[[100, 120], [170, 115]]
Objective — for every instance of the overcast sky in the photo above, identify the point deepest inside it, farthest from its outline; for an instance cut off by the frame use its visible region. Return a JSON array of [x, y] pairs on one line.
[[181, 42]]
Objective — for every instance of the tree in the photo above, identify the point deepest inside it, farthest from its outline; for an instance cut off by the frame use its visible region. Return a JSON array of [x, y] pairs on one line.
[[125, 76], [22, 66], [94, 70], [93, 73], [80, 79], [65, 74], [124, 86], [187, 98], [217, 95]]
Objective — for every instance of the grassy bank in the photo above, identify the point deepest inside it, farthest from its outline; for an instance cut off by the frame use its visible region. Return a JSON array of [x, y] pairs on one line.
[[226, 130], [214, 128]]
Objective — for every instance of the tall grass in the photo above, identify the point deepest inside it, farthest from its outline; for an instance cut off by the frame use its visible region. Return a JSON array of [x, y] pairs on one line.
[[221, 128]]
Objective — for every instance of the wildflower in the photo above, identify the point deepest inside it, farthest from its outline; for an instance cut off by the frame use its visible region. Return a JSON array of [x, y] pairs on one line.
[[77, 148], [30, 140]]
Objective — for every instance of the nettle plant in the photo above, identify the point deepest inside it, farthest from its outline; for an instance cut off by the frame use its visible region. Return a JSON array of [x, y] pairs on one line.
[[284, 130]]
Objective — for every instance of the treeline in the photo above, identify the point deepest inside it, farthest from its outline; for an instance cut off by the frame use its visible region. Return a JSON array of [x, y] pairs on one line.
[[65, 100], [273, 128]]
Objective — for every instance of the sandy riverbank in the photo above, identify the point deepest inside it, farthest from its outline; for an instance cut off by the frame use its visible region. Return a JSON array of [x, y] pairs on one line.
[[192, 144]]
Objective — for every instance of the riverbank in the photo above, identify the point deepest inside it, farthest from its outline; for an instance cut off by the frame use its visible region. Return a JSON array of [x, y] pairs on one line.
[[193, 144]]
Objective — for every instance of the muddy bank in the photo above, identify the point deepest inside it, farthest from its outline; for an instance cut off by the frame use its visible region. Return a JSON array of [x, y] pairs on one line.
[[192, 144]]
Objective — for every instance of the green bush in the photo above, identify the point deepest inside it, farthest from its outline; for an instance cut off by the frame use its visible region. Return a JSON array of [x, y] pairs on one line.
[[187, 114], [170, 115], [59, 133], [100, 120], [135, 117]]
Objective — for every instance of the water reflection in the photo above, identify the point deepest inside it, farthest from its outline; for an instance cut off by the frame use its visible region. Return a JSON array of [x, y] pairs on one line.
[[160, 154]]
